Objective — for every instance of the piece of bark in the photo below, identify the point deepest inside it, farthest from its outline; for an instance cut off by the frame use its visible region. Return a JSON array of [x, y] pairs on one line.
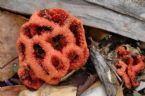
[[81, 88], [96, 89], [81, 79], [91, 14], [103, 70], [11, 90], [9, 27], [134, 8]]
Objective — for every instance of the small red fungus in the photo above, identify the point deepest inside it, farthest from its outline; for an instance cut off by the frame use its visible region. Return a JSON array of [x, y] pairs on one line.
[[128, 66]]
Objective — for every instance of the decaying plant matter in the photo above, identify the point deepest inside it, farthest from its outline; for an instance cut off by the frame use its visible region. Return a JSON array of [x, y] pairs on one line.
[[51, 44], [123, 56], [102, 69], [129, 66]]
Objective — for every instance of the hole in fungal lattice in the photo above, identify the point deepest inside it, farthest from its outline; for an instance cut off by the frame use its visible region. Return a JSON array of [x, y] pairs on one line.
[[39, 52], [41, 29], [118, 67], [27, 32], [73, 57], [58, 42], [34, 29], [55, 78], [74, 27], [22, 49], [57, 63], [56, 15]]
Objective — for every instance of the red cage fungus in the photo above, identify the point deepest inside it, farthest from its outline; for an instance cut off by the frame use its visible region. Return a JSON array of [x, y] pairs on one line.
[[128, 66], [50, 44]]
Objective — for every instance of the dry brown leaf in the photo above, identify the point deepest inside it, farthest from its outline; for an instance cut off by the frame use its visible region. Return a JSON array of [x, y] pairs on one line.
[[98, 34], [9, 27], [96, 89], [119, 91], [47, 90], [11, 90]]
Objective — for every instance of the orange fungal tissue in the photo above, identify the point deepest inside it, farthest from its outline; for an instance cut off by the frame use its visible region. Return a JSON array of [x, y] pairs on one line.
[[129, 66], [51, 44]]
